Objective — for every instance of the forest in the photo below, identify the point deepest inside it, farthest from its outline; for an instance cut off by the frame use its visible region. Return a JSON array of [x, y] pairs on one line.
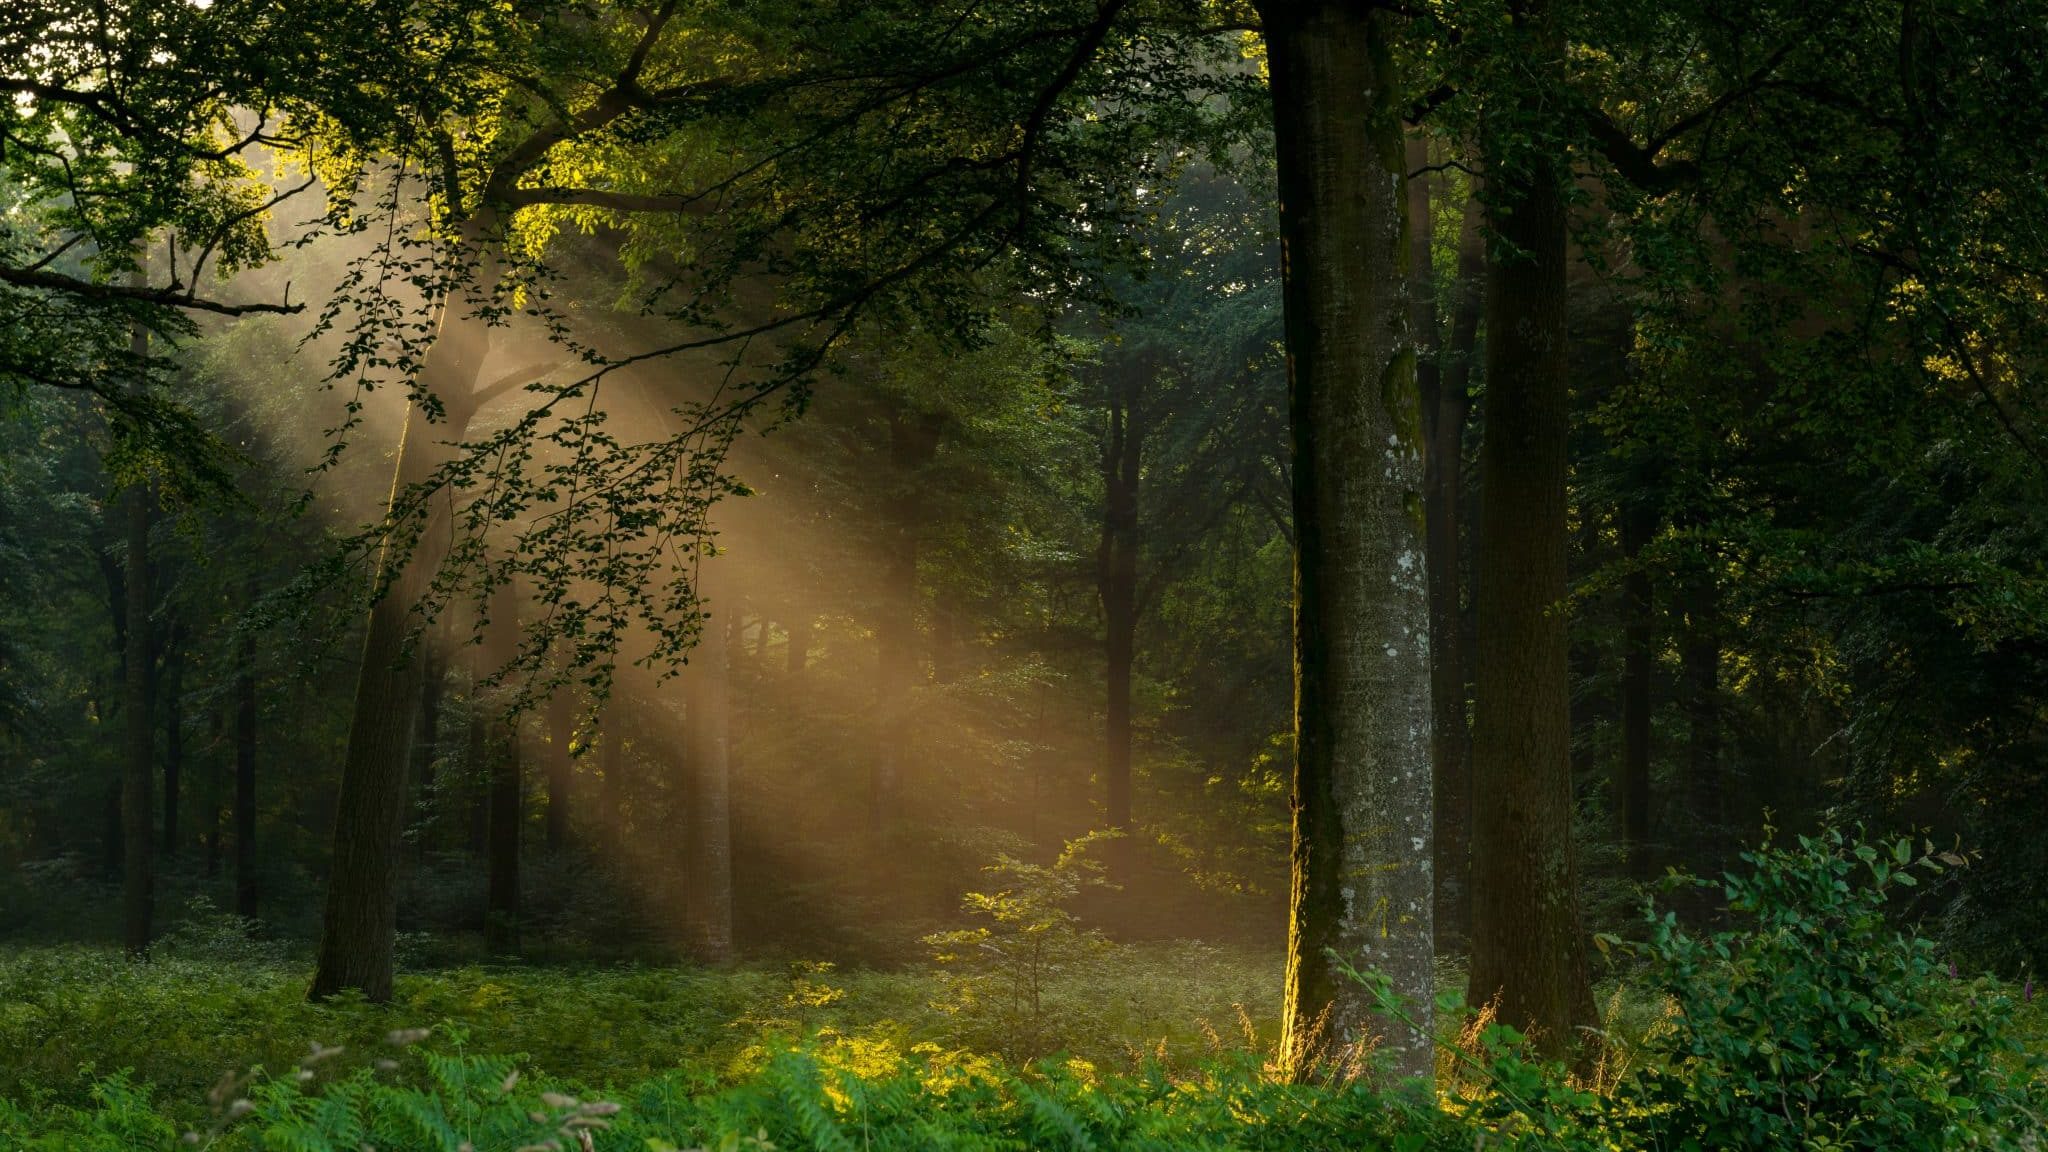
[[603, 575]]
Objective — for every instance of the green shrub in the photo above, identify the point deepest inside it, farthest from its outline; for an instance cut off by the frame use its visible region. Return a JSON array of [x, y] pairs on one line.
[[1818, 1024]]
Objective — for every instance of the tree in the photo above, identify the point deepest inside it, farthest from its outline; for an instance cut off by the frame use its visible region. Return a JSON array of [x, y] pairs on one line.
[[1361, 796], [708, 925]]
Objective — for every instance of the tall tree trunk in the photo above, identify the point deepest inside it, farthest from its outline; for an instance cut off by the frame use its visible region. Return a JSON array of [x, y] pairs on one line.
[[561, 722], [138, 811], [1446, 405], [1117, 581], [611, 765], [361, 915], [708, 924], [1361, 798], [216, 746], [507, 810], [1638, 664], [913, 440], [1528, 945], [802, 636], [245, 775], [1701, 663], [426, 744], [173, 680]]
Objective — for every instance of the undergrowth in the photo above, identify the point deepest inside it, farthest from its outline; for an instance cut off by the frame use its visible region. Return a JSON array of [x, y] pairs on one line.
[[1814, 1022]]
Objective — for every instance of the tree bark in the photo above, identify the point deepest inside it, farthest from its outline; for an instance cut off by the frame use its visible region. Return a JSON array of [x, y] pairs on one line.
[[138, 812], [708, 906], [361, 916], [1117, 581], [1446, 407], [1528, 945], [1361, 798], [245, 776]]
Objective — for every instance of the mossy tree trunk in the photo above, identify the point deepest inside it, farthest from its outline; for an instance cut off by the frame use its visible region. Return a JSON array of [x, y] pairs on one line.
[[1362, 790]]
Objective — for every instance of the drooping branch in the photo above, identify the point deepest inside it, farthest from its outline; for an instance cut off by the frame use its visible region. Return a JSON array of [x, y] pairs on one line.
[[169, 296]]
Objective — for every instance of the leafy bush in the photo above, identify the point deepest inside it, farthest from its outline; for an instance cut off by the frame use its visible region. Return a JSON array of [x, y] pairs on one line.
[[1001, 974], [1818, 1024]]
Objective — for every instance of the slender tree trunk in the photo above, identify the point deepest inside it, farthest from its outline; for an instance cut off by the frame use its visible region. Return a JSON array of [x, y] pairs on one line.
[[1638, 664], [802, 636], [426, 744], [361, 916], [245, 776], [611, 765], [1117, 581], [1361, 798], [138, 811], [174, 736], [708, 930], [1701, 663], [913, 440], [216, 746], [1528, 945], [561, 722], [1446, 404], [506, 807]]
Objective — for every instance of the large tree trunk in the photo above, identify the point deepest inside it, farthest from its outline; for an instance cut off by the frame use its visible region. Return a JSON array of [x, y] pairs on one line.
[[1361, 798], [138, 812], [173, 680], [1638, 665], [913, 440], [245, 776], [1444, 416], [361, 916], [561, 723], [1528, 945], [1117, 581], [708, 906], [505, 803]]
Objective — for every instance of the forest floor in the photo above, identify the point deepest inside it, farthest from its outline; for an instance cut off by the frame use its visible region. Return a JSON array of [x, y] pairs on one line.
[[181, 1020]]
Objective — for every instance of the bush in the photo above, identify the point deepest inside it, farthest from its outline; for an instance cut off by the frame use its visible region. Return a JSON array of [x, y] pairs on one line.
[[1818, 1024]]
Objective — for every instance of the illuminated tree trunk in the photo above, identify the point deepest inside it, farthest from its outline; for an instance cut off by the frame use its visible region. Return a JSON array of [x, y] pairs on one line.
[[1528, 945], [708, 926], [1361, 797], [138, 812], [1117, 583], [361, 916]]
